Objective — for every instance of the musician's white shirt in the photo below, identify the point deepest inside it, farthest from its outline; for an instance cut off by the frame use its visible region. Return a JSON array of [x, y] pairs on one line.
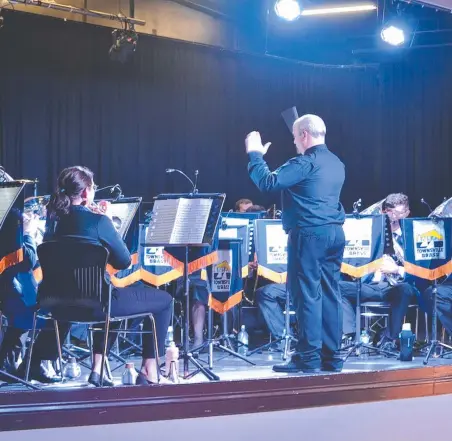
[[378, 276]]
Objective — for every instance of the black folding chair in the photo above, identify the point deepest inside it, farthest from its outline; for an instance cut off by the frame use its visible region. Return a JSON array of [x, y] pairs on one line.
[[74, 289]]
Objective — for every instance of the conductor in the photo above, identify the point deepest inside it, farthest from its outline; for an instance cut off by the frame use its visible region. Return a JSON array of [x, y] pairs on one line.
[[312, 215]]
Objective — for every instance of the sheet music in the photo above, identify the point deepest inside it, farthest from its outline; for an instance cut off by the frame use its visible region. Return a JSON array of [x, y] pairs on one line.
[[7, 197], [191, 221], [162, 222], [179, 221], [122, 215]]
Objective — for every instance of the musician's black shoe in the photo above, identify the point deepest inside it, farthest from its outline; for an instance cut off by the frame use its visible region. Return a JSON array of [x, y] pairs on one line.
[[38, 373], [94, 379], [332, 367], [296, 364]]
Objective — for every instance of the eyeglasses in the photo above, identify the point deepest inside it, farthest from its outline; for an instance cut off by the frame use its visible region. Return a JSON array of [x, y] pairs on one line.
[[400, 213]]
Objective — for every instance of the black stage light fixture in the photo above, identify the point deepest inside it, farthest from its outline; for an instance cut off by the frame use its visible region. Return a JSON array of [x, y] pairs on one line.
[[124, 44]]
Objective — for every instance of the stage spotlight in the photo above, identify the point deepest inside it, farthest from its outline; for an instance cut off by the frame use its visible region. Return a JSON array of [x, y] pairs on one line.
[[288, 9], [393, 35], [124, 44], [326, 10]]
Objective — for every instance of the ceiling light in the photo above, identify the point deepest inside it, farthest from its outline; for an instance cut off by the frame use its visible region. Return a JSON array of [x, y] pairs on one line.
[[393, 35], [288, 9], [339, 9]]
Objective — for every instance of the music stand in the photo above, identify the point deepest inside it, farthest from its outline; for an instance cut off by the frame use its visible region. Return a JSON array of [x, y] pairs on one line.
[[186, 221], [428, 256], [226, 288], [251, 217], [365, 242], [271, 251]]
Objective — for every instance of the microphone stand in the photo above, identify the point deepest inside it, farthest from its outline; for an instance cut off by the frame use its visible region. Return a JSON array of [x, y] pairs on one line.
[[193, 184], [423, 201]]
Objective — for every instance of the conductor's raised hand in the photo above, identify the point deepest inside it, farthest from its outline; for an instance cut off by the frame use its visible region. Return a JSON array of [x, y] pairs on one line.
[[253, 143]]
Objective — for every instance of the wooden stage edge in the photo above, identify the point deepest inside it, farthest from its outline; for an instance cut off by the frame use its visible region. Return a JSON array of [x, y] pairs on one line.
[[28, 410]]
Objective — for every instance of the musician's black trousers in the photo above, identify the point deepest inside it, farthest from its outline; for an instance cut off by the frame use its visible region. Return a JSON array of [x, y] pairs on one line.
[[132, 300], [399, 297], [443, 304], [314, 262]]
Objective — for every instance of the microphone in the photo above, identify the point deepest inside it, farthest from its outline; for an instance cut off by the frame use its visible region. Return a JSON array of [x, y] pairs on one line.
[[113, 188], [356, 205], [423, 201], [175, 170], [117, 189]]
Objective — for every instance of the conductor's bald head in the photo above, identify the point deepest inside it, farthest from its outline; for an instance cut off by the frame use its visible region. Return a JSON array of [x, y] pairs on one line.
[[308, 131]]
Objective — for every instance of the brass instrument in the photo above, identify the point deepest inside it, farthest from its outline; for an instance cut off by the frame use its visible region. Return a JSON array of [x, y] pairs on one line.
[[5, 177], [37, 206]]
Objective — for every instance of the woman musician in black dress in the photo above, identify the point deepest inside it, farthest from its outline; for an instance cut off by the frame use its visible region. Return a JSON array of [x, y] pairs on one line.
[[73, 216]]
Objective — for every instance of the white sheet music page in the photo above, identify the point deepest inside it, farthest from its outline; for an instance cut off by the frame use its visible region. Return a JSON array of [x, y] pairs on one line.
[[191, 221], [164, 216]]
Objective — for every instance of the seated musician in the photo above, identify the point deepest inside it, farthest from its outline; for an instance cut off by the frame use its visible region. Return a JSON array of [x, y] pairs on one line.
[[389, 284], [18, 296], [242, 205], [71, 217], [270, 297], [443, 302]]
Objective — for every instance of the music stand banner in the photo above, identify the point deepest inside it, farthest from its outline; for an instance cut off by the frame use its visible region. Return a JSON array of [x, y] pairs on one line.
[[154, 265], [428, 253], [236, 228], [271, 250], [364, 245], [226, 285]]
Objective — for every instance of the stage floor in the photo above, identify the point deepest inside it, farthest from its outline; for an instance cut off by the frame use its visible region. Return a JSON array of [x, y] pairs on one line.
[[230, 368]]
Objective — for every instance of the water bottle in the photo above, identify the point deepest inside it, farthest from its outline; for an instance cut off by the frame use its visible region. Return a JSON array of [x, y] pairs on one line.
[[406, 343], [169, 337], [129, 375], [243, 341], [365, 340], [72, 369], [172, 363]]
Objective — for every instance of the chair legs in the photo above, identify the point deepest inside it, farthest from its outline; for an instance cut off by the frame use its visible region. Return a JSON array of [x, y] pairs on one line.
[[156, 349], [32, 342], [60, 355], [104, 353]]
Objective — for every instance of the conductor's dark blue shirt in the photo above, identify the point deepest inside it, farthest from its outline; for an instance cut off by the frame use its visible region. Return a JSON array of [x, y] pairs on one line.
[[311, 186]]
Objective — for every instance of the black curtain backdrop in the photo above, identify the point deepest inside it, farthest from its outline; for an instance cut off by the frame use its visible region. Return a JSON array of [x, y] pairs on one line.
[[178, 105]]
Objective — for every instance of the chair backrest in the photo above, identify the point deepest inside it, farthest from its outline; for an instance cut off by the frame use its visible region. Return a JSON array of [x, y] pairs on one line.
[[73, 276]]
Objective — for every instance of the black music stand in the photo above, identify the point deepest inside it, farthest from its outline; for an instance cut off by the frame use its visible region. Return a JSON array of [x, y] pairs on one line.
[[223, 342], [186, 221], [11, 238], [428, 243], [365, 243], [265, 250]]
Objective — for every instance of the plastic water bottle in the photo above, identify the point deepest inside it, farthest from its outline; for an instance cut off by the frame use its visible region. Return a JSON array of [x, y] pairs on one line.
[[169, 337], [172, 363], [406, 343], [129, 376], [72, 369], [365, 340], [242, 341]]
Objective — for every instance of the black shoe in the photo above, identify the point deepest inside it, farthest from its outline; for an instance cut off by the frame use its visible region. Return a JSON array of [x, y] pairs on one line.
[[142, 380], [94, 379], [293, 367], [38, 373], [327, 367]]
